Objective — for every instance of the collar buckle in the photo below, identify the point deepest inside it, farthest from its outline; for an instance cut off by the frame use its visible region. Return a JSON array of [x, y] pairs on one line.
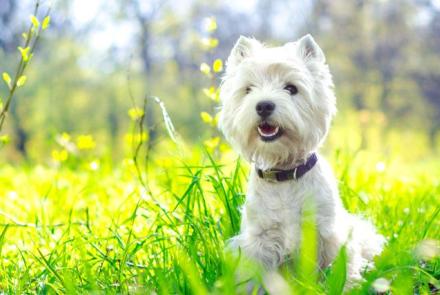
[[294, 173], [270, 175]]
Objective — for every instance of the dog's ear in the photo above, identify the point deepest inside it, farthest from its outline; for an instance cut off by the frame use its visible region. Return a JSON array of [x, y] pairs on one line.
[[242, 49], [309, 50]]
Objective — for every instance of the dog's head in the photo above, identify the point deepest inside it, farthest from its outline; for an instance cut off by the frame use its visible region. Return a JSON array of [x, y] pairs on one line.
[[277, 103]]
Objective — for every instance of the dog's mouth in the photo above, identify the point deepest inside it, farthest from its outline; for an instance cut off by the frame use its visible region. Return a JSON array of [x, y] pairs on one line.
[[268, 131]]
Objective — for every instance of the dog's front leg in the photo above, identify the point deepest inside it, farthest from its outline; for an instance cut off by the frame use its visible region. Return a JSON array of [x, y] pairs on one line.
[[266, 247], [267, 254]]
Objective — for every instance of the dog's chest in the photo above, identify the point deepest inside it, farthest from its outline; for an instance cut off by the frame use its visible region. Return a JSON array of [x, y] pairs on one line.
[[276, 203]]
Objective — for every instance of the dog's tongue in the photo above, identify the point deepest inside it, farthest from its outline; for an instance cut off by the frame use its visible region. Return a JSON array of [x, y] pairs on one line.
[[267, 128]]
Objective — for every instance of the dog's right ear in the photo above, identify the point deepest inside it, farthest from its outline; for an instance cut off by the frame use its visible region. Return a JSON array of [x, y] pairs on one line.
[[243, 48], [309, 49]]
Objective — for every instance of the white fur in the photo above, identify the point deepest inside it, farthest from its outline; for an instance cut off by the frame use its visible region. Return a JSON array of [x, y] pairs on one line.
[[271, 220]]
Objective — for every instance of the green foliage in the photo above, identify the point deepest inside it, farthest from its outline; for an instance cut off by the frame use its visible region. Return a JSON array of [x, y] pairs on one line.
[[337, 274], [76, 229]]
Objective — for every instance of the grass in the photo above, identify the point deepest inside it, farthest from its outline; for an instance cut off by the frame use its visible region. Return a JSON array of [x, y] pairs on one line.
[[86, 225], [80, 229]]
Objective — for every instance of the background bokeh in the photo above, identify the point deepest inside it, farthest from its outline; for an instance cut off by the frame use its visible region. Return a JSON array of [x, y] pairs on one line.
[[98, 56], [98, 194]]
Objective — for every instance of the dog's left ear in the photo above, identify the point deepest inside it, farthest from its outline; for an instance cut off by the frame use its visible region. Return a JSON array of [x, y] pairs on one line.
[[309, 50]]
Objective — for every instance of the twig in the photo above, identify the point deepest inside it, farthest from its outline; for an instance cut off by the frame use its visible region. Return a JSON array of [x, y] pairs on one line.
[[23, 64]]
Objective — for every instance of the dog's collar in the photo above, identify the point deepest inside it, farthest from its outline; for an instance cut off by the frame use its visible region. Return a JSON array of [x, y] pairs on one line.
[[292, 174]]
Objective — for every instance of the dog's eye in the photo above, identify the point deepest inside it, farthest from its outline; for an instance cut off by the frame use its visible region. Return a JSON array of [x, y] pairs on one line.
[[291, 88], [248, 89]]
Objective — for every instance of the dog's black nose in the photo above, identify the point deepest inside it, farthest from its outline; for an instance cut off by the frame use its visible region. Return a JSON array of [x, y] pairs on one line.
[[265, 108]]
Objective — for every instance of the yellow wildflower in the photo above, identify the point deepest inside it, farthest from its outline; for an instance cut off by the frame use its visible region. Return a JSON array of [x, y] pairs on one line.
[[207, 118], [85, 142], [211, 24], [212, 143], [217, 66], [135, 113], [60, 155]]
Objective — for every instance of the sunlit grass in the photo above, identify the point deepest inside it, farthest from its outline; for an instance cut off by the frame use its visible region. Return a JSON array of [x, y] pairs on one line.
[[70, 228]]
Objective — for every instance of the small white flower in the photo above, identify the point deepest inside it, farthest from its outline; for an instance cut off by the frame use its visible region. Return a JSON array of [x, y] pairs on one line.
[[428, 249], [12, 195], [380, 166], [381, 285], [94, 165]]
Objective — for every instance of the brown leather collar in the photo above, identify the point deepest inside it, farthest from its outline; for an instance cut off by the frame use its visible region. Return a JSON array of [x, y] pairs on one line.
[[292, 174]]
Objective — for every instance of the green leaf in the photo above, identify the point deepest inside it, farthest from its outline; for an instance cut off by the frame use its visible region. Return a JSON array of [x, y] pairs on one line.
[[24, 52], [7, 79], [21, 81], [35, 21], [1, 104], [2, 236], [46, 22], [338, 274]]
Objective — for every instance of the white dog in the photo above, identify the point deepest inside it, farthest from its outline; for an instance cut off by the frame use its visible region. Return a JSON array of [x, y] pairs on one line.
[[277, 105]]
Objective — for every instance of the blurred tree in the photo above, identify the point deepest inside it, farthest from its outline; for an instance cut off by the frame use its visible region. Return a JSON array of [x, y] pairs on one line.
[[145, 14], [383, 55], [8, 33], [264, 11], [390, 49], [427, 73], [375, 41]]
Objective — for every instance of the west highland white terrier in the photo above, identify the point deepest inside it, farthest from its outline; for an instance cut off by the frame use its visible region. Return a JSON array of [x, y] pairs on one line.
[[277, 105]]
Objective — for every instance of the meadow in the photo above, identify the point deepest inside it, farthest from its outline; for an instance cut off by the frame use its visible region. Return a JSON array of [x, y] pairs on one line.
[[158, 223], [92, 202]]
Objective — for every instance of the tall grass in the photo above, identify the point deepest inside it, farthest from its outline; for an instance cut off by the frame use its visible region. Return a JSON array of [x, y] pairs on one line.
[[66, 230], [160, 225]]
